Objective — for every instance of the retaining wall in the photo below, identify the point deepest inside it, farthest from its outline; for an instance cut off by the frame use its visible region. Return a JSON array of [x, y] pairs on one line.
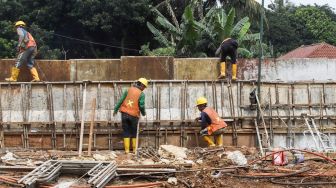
[[169, 68]]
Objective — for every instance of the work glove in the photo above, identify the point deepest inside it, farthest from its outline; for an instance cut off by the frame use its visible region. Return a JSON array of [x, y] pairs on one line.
[[114, 113], [197, 119]]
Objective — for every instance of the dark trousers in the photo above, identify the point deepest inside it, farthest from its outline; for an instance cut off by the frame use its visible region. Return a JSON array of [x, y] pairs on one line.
[[26, 56], [129, 124], [229, 48]]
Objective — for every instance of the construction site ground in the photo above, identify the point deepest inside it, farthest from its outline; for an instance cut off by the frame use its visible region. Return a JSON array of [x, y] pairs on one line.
[[192, 167]]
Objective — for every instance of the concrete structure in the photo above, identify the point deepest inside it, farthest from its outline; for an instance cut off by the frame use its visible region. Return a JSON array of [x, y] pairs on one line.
[[300, 69], [53, 110], [168, 68]]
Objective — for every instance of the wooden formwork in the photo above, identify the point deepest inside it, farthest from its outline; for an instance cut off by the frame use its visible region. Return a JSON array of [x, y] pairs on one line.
[[48, 114]]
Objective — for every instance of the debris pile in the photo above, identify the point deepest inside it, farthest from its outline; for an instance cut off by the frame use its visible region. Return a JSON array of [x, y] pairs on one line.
[[169, 166]]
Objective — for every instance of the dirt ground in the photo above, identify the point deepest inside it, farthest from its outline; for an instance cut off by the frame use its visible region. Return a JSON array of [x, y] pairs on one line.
[[197, 167]]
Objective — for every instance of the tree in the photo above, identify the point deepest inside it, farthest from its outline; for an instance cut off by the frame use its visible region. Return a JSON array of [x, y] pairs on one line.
[[220, 26], [318, 23], [181, 36], [291, 26]]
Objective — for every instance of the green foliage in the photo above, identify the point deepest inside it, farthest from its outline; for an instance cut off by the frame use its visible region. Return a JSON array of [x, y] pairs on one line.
[[193, 28], [181, 37], [318, 23], [290, 27], [7, 44], [200, 38], [168, 51], [221, 26], [116, 24]]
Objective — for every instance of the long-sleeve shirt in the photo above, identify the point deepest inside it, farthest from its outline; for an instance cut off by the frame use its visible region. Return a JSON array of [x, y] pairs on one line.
[[205, 120], [141, 103], [22, 34]]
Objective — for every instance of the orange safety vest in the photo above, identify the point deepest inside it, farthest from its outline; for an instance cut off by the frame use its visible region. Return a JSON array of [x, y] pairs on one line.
[[31, 41], [131, 103], [216, 122], [28, 40]]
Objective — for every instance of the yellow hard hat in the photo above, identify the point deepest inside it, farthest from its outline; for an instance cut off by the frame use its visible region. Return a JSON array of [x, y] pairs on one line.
[[19, 23], [144, 81], [201, 100]]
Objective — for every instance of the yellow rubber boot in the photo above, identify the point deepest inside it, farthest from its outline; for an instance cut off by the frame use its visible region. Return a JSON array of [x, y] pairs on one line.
[[219, 140], [14, 75], [222, 70], [34, 74], [209, 141], [134, 144], [234, 71], [127, 145]]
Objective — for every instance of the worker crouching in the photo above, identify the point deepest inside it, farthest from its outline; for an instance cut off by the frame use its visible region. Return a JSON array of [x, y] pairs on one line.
[[131, 104], [211, 123]]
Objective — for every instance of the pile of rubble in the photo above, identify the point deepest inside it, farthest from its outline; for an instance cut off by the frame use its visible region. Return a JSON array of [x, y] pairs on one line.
[[170, 166]]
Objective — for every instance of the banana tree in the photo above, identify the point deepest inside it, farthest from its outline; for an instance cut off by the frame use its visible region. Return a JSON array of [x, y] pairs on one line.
[[220, 26], [183, 37]]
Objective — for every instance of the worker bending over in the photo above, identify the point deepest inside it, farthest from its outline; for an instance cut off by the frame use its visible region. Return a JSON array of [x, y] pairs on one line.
[[27, 50], [228, 48], [130, 105], [211, 123]]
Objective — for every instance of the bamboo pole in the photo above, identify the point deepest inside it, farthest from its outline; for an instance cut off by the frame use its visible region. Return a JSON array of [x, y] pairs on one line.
[[82, 123], [93, 114]]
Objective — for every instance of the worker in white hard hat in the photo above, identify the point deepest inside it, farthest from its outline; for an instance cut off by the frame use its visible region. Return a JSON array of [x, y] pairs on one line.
[[131, 104], [27, 49], [211, 123]]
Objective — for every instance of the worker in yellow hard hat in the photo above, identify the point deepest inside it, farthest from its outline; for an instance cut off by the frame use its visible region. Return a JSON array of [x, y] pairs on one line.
[[228, 48], [211, 123], [27, 49], [131, 104]]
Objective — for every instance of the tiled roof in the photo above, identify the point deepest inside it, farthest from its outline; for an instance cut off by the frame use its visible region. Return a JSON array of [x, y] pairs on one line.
[[320, 50]]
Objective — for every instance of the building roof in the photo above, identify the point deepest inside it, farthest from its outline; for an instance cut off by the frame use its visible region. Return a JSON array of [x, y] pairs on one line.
[[319, 50]]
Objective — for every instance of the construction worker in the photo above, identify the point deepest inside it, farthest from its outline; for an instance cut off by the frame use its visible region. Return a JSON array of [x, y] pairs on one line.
[[211, 123], [27, 50], [228, 48], [130, 105]]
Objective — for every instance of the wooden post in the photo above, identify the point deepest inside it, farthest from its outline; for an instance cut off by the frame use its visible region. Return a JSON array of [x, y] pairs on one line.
[[82, 123], [93, 114]]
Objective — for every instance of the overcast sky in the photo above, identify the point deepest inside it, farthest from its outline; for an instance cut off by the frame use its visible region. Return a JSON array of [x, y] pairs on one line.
[[331, 3]]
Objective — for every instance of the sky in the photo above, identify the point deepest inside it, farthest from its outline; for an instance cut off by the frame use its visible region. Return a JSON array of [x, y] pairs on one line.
[[331, 3]]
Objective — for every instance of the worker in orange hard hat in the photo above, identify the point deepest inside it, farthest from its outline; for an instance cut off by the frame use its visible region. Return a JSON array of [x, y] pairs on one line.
[[228, 48], [211, 123], [131, 104], [27, 50]]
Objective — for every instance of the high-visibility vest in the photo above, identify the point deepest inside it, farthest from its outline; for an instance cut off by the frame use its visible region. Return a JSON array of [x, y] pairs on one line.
[[28, 40], [31, 41], [216, 122], [131, 103]]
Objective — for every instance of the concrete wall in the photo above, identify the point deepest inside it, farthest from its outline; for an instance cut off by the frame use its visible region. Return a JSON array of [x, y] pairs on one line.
[[49, 70], [169, 68], [300, 69], [154, 68], [93, 69], [195, 68], [174, 101]]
